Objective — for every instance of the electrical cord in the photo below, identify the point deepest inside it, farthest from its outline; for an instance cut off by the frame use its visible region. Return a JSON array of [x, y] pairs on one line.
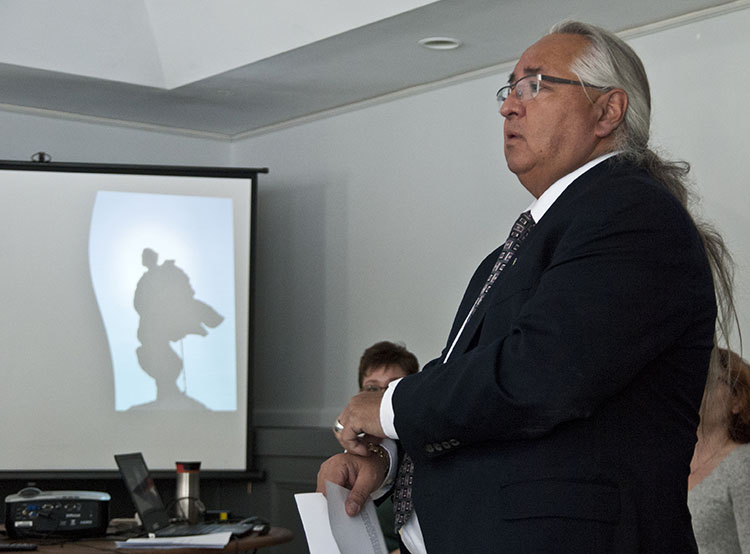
[[181, 515]]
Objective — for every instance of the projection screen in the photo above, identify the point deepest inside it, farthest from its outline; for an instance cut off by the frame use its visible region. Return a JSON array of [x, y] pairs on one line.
[[126, 315]]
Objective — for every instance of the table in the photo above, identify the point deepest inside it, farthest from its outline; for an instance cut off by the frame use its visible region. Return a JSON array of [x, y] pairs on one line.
[[248, 543]]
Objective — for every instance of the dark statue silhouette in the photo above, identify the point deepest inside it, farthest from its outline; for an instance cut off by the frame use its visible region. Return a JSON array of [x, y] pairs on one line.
[[169, 312]]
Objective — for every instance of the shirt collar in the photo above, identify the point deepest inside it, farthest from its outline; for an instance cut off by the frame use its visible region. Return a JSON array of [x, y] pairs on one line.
[[540, 205]]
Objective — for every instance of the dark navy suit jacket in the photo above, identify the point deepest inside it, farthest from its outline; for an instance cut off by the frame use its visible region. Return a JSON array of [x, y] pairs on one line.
[[565, 419]]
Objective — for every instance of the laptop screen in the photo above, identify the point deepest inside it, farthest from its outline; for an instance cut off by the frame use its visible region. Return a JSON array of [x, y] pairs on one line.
[[142, 491]]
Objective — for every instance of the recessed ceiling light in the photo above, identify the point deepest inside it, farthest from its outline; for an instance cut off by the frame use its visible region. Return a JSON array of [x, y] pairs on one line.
[[440, 43]]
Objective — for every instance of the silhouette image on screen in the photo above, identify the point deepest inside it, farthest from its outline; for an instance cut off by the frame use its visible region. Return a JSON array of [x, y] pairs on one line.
[[168, 311]]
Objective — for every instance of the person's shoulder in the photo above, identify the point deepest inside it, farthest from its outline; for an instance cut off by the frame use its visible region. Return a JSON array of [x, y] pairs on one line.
[[618, 190], [737, 463], [741, 456], [621, 179]]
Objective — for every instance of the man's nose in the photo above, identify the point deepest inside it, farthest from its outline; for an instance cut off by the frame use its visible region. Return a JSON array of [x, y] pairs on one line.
[[511, 105]]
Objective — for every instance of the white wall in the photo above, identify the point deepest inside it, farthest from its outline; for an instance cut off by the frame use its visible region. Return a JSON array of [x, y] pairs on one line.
[[82, 142], [371, 222], [699, 77]]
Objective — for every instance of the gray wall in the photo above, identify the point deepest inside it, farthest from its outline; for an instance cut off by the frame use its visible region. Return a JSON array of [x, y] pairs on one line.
[[371, 222], [75, 141]]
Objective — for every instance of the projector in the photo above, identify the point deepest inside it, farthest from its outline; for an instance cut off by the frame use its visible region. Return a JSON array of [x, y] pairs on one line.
[[33, 513]]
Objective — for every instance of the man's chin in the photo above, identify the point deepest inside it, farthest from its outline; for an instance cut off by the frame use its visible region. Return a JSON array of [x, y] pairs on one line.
[[514, 158], [514, 164]]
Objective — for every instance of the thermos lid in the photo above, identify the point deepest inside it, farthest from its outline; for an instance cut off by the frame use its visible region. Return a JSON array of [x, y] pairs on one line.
[[188, 467]]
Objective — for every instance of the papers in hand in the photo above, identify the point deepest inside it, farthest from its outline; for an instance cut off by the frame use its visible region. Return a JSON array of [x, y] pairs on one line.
[[330, 530], [213, 540]]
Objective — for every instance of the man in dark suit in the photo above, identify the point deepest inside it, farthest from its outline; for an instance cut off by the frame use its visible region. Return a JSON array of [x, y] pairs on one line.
[[562, 413]]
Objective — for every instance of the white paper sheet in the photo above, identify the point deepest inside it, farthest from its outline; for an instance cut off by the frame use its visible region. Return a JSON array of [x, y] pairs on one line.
[[213, 540], [330, 530], [313, 509]]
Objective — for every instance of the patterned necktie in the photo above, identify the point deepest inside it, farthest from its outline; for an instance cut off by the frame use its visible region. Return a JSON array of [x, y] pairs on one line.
[[518, 233], [402, 506], [402, 503]]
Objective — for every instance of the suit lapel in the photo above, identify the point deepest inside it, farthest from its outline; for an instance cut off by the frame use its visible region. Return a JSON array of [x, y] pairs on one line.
[[531, 249], [474, 326]]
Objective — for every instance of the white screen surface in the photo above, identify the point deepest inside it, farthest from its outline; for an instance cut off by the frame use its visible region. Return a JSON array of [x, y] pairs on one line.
[[85, 374]]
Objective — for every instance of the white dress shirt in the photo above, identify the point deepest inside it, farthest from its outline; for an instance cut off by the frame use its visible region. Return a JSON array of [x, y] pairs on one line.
[[411, 533]]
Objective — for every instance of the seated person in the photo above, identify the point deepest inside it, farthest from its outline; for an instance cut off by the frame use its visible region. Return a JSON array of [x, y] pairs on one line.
[[719, 482], [380, 364]]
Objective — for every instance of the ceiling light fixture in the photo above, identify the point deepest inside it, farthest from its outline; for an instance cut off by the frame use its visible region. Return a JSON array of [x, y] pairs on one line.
[[440, 43]]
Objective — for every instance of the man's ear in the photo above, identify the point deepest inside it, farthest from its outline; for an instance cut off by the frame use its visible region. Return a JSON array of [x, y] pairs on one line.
[[613, 105]]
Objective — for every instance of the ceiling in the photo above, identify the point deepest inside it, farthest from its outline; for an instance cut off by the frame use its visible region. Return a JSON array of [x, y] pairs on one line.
[[227, 69]]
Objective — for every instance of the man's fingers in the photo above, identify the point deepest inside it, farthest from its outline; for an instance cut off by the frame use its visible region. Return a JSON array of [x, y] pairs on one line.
[[353, 444], [360, 492], [358, 473], [360, 417], [336, 470], [370, 439], [358, 448], [354, 503]]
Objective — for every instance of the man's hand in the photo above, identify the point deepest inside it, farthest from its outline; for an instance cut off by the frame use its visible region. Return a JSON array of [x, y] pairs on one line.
[[361, 415], [362, 475]]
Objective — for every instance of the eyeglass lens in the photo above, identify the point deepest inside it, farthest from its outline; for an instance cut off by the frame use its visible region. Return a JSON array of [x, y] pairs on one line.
[[525, 88]]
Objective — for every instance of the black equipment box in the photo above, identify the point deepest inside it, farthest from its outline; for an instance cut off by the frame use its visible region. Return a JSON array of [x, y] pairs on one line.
[[33, 513]]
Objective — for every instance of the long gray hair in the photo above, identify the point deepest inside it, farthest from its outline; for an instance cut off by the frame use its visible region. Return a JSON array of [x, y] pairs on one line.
[[610, 63]]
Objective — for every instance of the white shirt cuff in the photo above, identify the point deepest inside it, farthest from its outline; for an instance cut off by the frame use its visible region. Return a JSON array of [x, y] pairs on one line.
[[390, 447], [386, 411]]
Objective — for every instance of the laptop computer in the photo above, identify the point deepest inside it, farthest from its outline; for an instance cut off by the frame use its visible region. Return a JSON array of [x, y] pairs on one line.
[[153, 514]]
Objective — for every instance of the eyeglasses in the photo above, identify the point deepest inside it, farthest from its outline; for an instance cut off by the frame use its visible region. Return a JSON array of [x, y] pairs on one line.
[[373, 388], [528, 87]]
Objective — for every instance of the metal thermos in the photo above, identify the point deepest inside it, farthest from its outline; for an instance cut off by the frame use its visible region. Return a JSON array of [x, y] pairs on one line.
[[187, 497]]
